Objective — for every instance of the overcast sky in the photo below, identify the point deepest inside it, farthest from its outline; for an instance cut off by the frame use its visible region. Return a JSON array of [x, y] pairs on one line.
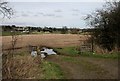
[[55, 14], [57, 0]]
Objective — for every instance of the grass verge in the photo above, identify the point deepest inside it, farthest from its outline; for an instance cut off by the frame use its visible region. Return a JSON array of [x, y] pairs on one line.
[[67, 51], [72, 51], [88, 66], [51, 71], [90, 54], [11, 33]]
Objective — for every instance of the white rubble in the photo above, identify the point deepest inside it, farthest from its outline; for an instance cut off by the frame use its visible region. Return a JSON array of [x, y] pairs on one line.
[[48, 51], [34, 53], [43, 56]]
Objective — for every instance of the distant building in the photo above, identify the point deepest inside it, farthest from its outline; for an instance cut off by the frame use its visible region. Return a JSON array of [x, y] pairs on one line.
[[22, 29]]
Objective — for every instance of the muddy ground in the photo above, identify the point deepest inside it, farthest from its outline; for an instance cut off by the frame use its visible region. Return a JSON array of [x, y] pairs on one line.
[[86, 67]]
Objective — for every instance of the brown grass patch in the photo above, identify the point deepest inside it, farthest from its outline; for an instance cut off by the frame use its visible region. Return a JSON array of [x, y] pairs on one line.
[[50, 40]]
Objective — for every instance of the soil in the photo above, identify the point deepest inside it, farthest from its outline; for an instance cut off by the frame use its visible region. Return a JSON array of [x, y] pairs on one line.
[[87, 67]]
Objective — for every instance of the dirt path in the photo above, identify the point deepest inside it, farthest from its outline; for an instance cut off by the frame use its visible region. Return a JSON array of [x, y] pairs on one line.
[[86, 67]]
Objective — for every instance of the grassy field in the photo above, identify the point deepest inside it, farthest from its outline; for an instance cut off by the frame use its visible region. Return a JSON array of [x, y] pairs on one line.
[[51, 70], [70, 63], [72, 51], [24, 66], [86, 67], [67, 51], [8, 33], [49, 40]]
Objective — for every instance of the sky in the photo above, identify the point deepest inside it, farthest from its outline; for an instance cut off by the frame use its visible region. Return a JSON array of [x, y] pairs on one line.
[[56, 0], [51, 13]]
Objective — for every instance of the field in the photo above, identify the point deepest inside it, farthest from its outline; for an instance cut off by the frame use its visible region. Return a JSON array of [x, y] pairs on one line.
[[68, 64], [51, 40]]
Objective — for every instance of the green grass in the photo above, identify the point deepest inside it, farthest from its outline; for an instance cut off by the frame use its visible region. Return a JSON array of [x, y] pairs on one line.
[[72, 51], [6, 33], [39, 33], [87, 65], [67, 51], [67, 58], [90, 54], [51, 71], [10, 33]]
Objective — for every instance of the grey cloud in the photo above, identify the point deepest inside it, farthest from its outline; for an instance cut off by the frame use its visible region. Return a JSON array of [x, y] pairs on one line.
[[36, 15], [18, 23], [24, 15], [43, 14], [59, 16], [75, 14], [15, 23], [75, 10], [40, 13], [16, 16], [48, 14], [58, 10], [29, 12]]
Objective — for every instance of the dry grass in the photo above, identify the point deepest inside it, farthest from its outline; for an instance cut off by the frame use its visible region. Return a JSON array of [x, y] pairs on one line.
[[24, 67], [51, 40]]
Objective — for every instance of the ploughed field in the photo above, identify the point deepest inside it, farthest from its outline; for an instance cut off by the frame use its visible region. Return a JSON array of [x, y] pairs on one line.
[[51, 40]]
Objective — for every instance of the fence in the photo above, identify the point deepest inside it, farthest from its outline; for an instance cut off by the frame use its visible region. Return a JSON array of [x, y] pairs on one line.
[[87, 46]]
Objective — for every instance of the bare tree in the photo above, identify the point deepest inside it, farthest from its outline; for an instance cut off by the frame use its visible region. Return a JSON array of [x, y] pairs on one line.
[[5, 10]]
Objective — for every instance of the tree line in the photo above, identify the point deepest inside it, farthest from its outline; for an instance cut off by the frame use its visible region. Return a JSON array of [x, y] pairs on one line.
[[62, 30]]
